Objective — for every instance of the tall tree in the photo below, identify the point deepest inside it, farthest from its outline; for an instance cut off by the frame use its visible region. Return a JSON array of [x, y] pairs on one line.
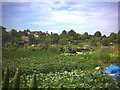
[[86, 36], [97, 34], [26, 32], [86, 33], [113, 35], [5, 35], [64, 32], [55, 38], [71, 33], [119, 33], [14, 33], [20, 33], [31, 39], [104, 36]]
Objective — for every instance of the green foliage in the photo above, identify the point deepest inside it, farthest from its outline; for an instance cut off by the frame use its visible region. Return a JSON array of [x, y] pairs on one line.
[[63, 41], [55, 38], [5, 36], [64, 32], [31, 39], [53, 49], [97, 34], [70, 37], [16, 81], [93, 42], [46, 61], [113, 35], [86, 33], [105, 42], [14, 33], [6, 78], [54, 70], [72, 79], [71, 33]]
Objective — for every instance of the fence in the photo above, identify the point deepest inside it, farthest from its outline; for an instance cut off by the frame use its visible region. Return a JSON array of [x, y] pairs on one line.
[[16, 80]]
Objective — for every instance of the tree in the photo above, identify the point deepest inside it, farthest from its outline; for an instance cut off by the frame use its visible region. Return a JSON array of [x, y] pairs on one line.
[[5, 36], [86, 36], [13, 33], [0, 36], [63, 41], [86, 33], [119, 36], [105, 42], [26, 32], [42, 38], [104, 36], [37, 40], [97, 34], [31, 39], [93, 42], [64, 32], [82, 37], [20, 34], [113, 35], [119, 33], [71, 33], [55, 38]]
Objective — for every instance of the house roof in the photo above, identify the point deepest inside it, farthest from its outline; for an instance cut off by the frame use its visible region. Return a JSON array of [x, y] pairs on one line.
[[25, 38]]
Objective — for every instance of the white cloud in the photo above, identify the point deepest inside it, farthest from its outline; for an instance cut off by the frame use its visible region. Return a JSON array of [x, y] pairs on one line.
[[79, 16], [56, 16], [80, 19], [66, 17]]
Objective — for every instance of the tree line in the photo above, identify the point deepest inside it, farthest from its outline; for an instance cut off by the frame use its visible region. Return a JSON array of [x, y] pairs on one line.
[[70, 37]]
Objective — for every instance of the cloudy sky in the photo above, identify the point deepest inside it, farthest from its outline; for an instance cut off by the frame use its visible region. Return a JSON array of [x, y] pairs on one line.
[[57, 16]]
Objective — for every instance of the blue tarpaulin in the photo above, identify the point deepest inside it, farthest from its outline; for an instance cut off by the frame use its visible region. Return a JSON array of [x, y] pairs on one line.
[[113, 69]]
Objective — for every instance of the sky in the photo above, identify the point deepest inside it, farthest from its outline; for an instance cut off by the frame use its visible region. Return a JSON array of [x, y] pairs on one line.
[[56, 16]]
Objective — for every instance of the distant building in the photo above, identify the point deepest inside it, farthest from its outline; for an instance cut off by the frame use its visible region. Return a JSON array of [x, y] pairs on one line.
[[35, 33], [25, 38]]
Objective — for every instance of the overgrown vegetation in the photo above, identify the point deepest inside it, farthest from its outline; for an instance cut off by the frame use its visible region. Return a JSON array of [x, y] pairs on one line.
[[54, 69], [71, 37], [65, 79]]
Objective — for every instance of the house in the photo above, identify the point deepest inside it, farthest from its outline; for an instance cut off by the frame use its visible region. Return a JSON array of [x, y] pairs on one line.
[[37, 33], [25, 38]]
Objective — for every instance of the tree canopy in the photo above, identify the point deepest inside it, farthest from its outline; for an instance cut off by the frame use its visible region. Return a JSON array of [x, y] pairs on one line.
[[70, 37], [97, 34]]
